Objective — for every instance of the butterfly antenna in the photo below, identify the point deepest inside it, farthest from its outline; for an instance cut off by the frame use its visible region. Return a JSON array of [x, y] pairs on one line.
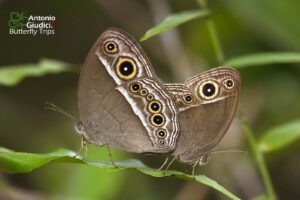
[[234, 149], [51, 106], [228, 151]]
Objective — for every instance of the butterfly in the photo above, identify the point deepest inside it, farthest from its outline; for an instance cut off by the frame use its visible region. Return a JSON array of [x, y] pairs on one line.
[[123, 104]]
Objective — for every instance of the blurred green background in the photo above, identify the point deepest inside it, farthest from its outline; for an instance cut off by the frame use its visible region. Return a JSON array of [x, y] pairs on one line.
[[270, 95]]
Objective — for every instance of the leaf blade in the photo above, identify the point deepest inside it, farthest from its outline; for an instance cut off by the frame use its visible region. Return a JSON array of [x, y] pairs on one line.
[[264, 59], [280, 136], [173, 21], [13, 75], [19, 162]]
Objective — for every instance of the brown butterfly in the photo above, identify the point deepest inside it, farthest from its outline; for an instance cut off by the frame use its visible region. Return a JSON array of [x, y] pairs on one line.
[[207, 104], [124, 105], [121, 102]]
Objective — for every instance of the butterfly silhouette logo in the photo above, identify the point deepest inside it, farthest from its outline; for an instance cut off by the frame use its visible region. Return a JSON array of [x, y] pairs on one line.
[[17, 20]]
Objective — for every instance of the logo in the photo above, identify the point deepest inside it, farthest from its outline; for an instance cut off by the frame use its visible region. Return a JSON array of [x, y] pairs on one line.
[[22, 24], [17, 20]]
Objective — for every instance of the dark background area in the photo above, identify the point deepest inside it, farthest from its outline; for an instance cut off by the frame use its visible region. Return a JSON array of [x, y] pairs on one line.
[[270, 94]]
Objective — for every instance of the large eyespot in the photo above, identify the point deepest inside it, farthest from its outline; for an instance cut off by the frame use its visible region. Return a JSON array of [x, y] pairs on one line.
[[154, 106], [208, 90], [157, 119], [135, 87], [161, 133], [110, 47], [188, 98], [126, 68], [228, 83], [143, 92]]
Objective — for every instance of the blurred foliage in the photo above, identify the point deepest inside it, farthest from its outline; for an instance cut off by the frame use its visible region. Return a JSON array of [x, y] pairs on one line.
[[19, 162], [246, 33], [173, 21], [12, 75], [280, 136], [264, 59]]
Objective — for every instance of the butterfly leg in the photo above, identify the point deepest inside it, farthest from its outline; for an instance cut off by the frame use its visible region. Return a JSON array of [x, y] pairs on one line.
[[83, 146], [78, 126], [170, 163], [110, 156], [162, 166], [194, 166]]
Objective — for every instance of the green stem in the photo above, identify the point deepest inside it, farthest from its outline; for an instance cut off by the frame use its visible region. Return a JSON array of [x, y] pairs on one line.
[[249, 133], [213, 35], [258, 155]]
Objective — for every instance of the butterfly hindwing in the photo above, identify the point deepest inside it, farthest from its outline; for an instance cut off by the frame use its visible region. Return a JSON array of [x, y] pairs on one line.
[[156, 109], [205, 120]]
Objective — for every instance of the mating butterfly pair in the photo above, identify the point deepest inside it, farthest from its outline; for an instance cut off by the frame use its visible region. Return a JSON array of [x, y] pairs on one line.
[[124, 105]]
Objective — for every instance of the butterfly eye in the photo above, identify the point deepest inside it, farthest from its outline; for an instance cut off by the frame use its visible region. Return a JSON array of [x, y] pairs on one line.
[[126, 68], [157, 119], [111, 47], [188, 98], [154, 106], [161, 133], [228, 83], [135, 87], [208, 90]]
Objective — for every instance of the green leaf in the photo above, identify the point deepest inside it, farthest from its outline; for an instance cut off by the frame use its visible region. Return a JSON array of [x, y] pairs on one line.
[[86, 179], [264, 59], [280, 136], [173, 21], [19, 162], [12, 75]]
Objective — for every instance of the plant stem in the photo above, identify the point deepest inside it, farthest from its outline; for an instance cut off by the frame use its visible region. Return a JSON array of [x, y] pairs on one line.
[[213, 35], [258, 155]]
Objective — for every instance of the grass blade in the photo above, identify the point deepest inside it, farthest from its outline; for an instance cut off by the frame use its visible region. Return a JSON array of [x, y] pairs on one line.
[[12, 75], [19, 162], [174, 20], [280, 136], [264, 59]]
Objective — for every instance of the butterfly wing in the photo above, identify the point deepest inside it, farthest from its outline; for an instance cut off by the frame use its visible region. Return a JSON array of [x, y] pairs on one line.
[[109, 112], [156, 108], [122, 56], [183, 96], [215, 96]]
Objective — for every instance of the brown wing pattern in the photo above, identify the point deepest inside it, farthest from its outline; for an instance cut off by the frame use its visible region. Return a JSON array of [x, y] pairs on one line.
[[108, 115], [215, 94]]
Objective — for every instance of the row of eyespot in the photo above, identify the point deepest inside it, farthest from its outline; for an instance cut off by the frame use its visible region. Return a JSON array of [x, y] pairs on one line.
[[126, 69], [154, 107], [210, 89]]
